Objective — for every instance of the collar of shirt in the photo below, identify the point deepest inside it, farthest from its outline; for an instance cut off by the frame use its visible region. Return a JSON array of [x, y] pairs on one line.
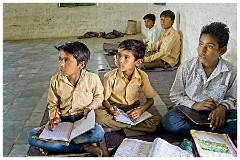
[[65, 79], [221, 67], [135, 74], [153, 28], [168, 31]]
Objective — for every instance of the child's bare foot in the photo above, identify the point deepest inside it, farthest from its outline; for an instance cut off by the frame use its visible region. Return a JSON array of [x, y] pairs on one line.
[[107, 129], [94, 150]]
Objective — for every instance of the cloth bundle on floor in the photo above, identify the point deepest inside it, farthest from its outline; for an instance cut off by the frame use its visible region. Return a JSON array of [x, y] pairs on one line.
[[110, 35]]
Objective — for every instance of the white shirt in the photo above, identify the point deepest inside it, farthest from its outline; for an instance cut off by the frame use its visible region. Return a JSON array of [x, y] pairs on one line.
[[153, 35], [192, 85]]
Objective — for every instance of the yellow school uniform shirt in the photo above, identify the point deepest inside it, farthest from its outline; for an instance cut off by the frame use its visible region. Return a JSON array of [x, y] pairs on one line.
[[167, 48], [119, 89], [73, 100]]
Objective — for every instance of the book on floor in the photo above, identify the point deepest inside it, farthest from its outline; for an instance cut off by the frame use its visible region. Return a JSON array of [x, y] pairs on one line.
[[123, 117], [157, 148], [66, 131], [210, 144]]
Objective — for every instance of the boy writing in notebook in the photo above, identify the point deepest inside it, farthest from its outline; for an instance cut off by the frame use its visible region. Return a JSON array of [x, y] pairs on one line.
[[206, 82], [72, 94], [166, 52], [121, 91], [153, 31]]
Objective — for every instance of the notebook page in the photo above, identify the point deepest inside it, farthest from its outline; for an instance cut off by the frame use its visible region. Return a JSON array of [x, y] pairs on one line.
[[61, 132], [83, 125], [123, 117], [133, 148], [162, 148]]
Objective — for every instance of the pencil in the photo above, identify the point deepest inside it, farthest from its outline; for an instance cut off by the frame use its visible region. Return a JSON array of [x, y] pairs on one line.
[[54, 118]]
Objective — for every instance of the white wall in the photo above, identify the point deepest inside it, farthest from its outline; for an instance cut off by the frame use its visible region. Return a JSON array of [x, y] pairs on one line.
[[30, 21], [39, 20]]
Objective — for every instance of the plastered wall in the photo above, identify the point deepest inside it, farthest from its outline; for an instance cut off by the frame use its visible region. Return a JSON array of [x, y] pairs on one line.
[[39, 20]]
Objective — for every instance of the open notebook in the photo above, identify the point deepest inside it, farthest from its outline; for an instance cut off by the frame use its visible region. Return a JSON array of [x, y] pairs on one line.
[[66, 131], [198, 117], [123, 117], [159, 148]]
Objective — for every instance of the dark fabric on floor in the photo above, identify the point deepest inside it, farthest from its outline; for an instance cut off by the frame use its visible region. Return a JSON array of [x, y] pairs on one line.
[[110, 60], [162, 82]]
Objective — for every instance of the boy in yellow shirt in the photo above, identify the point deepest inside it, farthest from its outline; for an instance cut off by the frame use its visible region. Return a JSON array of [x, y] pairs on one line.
[[166, 52], [121, 91], [72, 94]]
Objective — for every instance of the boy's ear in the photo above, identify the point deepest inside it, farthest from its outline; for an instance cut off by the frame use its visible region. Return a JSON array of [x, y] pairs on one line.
[[139, 61], [81, 65], [223, 50]]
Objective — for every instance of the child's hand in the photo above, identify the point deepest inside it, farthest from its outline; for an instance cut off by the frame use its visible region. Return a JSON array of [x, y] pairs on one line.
[[134, 114], [217, 117], [113, 110], [86, 111], [53, 123], [208, 105]]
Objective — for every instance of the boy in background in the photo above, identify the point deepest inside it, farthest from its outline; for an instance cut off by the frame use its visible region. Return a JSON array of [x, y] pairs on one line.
[[72, 94], [153, 34], [166, 52], [206, 82], [121, 91]]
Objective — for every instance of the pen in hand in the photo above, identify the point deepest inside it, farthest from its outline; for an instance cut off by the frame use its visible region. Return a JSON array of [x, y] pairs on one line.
[[115, 111], [53, 122]]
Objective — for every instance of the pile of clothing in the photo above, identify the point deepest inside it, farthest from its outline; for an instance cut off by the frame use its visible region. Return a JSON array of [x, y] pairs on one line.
[[110, 35]]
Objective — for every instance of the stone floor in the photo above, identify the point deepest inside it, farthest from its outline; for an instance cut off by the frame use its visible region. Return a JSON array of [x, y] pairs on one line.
[[27, 68]]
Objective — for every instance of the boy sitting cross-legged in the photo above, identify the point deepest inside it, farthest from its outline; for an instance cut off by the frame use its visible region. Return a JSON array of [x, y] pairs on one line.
[[121, 91], [72, 94]]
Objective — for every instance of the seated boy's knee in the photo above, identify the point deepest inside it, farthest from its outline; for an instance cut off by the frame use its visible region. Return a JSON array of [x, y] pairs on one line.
[[99, 132], [171, 123], [101, 116]]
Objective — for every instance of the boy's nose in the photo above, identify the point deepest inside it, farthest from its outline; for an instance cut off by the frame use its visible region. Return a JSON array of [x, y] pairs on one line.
[[61, 63], [203, 49], [120, 60]]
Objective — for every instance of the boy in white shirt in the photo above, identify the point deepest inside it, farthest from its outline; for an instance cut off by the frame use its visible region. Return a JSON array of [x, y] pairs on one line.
[[153, 32], [206, 82]]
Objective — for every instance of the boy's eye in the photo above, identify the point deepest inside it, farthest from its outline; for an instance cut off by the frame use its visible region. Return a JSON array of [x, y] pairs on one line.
[[64, 59], [67, 60], [210, 47]]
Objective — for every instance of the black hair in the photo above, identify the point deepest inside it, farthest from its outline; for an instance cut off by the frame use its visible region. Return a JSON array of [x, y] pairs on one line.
[[77, 49], [135, 46], [149, 16], [219, 31], [168, 13]]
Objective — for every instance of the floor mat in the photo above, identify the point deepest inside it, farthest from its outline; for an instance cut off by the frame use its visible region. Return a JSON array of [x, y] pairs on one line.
[[162, 82], [110, 60]]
